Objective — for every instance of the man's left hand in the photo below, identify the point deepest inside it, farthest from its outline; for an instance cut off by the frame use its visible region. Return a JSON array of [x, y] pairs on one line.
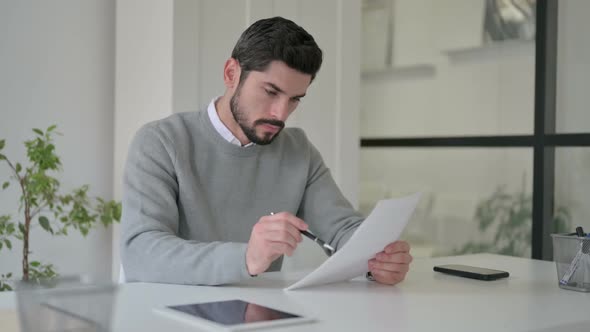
[[391, 265]]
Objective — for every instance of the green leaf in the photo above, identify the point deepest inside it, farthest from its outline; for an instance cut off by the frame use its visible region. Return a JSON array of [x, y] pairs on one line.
[[38, 131], [9, 275], [118, 211], [45, 224], [0, 245], [18, 167], [10, 229], [2, 157], [21, 227], [5, 185], [105, 219], [4, 287], [8, 243], [35, 263], [51, 128], [2, 143]]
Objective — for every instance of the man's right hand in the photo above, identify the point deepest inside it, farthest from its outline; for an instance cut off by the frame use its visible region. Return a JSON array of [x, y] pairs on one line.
[[271, 237]]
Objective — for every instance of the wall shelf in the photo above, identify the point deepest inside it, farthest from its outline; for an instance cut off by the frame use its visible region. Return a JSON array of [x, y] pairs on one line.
[[406, 72], [491, 49]]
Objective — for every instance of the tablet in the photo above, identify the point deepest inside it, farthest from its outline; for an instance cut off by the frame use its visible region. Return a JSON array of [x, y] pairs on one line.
[[232, 315]]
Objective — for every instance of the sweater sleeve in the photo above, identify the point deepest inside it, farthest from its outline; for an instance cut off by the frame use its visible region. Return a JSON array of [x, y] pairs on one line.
[[324, 208], [151, 250]]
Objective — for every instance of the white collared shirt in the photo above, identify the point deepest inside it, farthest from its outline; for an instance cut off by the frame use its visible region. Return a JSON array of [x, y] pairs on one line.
[[220, 127]]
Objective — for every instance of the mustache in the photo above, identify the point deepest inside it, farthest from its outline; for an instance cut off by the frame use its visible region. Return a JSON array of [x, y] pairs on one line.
[[272, 122]]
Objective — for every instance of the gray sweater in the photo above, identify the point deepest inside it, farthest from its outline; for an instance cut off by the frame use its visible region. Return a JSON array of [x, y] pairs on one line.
[[191, 199]]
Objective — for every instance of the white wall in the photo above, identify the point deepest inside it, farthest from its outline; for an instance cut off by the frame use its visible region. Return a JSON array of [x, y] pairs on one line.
[[57, 67], [143, 71], [572, 170], [573, 66]]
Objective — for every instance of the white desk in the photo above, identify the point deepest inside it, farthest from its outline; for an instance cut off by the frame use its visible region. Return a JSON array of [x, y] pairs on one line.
[[529, 300]]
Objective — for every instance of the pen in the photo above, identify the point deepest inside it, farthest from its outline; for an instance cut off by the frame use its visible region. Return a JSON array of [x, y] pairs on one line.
[[580, 231], [319, 241], [328, 249]]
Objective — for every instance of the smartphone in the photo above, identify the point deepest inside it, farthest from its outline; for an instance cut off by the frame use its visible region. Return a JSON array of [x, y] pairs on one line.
[[232, 315], [472, 272]]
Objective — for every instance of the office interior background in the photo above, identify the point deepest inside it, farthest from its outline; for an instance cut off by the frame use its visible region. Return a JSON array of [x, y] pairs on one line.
[[395, 71]]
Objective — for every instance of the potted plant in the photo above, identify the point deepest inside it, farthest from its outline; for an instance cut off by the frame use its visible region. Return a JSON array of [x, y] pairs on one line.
[[41, 204]]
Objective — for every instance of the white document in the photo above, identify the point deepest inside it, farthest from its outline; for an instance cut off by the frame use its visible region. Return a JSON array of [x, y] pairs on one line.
[[383, 226]]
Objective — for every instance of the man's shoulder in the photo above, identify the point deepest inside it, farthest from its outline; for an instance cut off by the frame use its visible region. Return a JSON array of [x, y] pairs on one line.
[[173, 126]]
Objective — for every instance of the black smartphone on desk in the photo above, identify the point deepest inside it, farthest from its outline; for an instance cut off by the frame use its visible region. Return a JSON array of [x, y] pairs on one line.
[[472, 272]]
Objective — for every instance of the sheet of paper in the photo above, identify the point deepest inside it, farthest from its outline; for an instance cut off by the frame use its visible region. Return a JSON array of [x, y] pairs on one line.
[[383, 226]]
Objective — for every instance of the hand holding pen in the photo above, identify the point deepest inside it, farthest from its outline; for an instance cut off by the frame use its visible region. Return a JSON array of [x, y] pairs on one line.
[[329, 250], [273, 236], [280, 233]]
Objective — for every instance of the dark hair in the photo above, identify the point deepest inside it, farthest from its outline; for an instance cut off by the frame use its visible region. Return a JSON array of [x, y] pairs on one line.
[[280, 39]]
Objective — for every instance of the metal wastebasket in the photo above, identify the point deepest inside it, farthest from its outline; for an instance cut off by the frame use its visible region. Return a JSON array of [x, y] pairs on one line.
[[572, 259]]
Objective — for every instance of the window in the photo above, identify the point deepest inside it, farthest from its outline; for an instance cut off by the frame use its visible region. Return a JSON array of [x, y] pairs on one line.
[[482, 119]]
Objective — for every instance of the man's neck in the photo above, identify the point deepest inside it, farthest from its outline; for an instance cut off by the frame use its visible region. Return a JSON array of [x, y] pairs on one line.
[[224, 113]]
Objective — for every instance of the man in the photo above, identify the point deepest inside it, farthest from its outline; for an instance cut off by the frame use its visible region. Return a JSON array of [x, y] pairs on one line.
[[200, 188]]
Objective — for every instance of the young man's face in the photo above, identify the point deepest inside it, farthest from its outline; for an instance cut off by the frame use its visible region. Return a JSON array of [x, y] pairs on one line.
[[264, 100]]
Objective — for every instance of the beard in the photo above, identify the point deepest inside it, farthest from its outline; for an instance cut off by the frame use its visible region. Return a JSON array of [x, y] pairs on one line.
[[239, 115]]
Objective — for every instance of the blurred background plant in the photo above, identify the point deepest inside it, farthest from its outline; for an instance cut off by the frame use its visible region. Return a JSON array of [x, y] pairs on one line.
[[509, 215], [41, 204]]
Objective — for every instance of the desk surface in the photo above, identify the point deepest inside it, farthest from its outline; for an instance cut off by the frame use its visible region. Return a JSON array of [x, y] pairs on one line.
[[529, 300]]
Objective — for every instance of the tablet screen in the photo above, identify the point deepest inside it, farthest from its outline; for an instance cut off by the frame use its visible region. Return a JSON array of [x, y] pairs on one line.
[[233, 312]]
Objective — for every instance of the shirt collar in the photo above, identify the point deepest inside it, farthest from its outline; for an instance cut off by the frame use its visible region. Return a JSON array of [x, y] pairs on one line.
[[220, 127]]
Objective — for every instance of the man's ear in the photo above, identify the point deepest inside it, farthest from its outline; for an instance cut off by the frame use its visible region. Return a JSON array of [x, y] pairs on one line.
[[231, 73]]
